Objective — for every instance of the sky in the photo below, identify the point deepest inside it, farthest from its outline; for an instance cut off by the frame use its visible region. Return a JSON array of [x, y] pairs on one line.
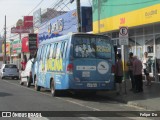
[[16, 9]]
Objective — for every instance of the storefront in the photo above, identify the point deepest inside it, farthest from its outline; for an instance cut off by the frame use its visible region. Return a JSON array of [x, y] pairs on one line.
[[143, 21]]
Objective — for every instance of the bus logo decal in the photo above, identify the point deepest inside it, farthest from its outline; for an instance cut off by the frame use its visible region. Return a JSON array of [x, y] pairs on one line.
[[103, 67]]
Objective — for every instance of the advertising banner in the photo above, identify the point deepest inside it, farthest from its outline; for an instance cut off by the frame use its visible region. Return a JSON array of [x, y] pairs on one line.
[[32, 42], [7, 48], [28, 22], [58, 26], [25, 44], [86, 15], [20, 30], [16, 46]]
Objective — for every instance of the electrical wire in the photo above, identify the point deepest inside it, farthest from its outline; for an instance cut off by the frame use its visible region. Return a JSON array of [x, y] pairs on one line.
[[35, 7]]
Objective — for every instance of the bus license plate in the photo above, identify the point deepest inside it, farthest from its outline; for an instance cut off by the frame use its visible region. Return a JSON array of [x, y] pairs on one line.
[[91, 84]]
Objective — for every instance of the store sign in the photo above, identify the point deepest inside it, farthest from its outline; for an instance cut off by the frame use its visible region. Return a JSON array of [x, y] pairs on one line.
[[25, 43], [20, 30], [123, 35], [28, 22], [17, 46], [7, 48], [32, 42]]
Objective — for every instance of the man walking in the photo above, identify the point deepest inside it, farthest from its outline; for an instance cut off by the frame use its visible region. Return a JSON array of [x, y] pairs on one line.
[[119, 74], [137, 73], [130, 70]]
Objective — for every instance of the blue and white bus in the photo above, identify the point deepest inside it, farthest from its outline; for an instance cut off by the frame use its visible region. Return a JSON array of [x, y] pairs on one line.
[[77, 61]]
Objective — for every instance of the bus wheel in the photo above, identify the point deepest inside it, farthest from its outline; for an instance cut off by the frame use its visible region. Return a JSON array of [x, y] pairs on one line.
[[53, 91], [37, 88], [28, 82]]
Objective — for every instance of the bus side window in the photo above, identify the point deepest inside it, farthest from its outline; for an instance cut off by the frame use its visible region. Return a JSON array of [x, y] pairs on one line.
[[48, 52], [54, 51], [44, 52], [38, 53], [63, 49], [41, 53], [58, 53], [51, 51]]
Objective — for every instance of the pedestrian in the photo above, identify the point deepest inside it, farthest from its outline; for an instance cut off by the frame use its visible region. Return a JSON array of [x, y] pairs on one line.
[[137, 73], [118, 74], [24, 62], [146, 66], [130, 70]]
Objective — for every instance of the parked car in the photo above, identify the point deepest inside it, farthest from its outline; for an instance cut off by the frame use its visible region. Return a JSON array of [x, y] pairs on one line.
[[9, 70], [26, 75]]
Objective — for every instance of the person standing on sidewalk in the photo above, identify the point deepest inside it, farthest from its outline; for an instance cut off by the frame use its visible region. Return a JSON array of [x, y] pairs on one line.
[[118, 74], [130, 70], [146, 63], [137, 73]]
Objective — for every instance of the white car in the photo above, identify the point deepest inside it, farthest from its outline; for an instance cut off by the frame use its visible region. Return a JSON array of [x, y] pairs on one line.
[[9, 70], [26, 75]]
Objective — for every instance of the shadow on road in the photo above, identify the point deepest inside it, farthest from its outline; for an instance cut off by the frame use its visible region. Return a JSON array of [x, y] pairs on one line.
[[3, 94]]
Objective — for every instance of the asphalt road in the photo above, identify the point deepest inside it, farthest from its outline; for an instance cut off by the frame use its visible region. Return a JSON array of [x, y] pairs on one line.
[[17, 98]]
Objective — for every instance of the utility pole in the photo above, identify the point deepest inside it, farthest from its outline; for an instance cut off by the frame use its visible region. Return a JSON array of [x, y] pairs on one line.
[[78, 15], [5, 41]]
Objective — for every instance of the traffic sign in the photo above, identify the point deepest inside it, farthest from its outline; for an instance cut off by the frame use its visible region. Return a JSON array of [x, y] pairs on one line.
[[123, 35]]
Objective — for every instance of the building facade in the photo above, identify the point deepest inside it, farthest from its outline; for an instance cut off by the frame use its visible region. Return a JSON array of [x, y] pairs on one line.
[[143, 21]]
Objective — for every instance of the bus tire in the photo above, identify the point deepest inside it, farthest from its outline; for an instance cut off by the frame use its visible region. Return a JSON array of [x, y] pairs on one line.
[[37, 88], [53, 91]]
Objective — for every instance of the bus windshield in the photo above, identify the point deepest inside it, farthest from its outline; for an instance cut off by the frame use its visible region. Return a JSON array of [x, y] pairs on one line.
[[92, 47]]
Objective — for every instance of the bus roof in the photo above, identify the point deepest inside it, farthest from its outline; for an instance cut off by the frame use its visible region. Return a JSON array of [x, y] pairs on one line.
[[69, 35]]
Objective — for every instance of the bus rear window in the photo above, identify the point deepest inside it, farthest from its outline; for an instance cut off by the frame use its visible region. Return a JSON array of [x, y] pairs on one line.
[[92, 47]]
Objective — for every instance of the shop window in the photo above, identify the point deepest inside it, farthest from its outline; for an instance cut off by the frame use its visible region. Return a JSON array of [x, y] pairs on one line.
[[115, 34], [148, 29], [139, 47], [132, 32], [149, 44], [139, 31], [157, 41], [157, 55], [157, 28], [131, 45]]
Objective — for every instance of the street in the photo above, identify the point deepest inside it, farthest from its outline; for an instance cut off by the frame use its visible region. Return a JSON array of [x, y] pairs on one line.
[[15, 97]]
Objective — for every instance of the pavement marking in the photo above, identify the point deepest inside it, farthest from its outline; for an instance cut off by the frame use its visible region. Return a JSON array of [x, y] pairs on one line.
[[89, 118], [95, 109], [139, 118]]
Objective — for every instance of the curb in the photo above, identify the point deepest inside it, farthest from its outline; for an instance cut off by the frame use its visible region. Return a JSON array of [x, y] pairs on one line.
[[130, 103]]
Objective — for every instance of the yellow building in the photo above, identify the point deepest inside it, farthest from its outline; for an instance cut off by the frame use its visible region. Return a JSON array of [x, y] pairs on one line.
[[142, 17]]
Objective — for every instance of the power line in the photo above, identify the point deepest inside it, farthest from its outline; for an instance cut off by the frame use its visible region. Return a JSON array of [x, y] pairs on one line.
[[35, 7]]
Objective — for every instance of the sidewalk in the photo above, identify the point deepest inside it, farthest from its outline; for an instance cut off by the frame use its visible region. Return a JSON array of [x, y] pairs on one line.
[[149, 99]]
